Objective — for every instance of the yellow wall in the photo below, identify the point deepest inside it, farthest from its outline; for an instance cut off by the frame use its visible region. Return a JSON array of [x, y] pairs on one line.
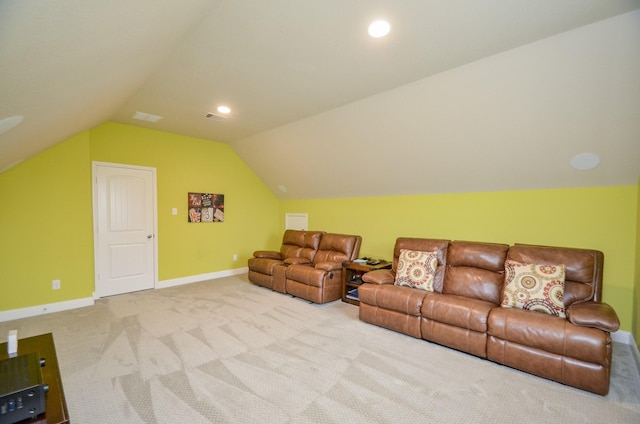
[[46, 230], [46, 227], [597, 218]]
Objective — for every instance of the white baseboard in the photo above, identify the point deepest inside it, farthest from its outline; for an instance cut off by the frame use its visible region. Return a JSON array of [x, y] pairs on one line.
[[627, 338], [634, 349], [623, 337], [202, 277], [33, 311]]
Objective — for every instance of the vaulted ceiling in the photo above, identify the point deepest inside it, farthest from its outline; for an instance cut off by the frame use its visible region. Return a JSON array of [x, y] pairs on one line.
[[462, 95]]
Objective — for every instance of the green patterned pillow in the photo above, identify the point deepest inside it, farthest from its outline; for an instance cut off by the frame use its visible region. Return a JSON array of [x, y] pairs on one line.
[[534, 287], [416, 269]]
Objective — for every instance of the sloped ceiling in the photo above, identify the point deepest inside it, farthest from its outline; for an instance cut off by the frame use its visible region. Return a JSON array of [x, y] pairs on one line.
[[462, 95]]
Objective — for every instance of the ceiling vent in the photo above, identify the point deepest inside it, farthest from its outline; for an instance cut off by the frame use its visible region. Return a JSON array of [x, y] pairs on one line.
[[215, 117], [146, 117]]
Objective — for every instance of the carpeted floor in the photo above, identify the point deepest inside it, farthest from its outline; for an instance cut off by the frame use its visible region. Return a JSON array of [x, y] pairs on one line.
[[227, 351]]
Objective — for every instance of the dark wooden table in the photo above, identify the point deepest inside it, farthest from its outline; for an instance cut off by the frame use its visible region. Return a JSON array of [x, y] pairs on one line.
[[56, 406], [352, 278]]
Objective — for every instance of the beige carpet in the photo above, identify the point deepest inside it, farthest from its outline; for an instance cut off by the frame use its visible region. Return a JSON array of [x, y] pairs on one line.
[[227, 351]]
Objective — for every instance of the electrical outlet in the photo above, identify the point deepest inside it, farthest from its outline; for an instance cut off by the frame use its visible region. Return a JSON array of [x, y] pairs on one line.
[[55, 284], [235, 257]]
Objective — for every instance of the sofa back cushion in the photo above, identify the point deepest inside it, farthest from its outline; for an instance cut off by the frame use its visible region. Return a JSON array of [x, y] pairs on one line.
[[337, 248], [300, 244], [583, 268], [475, 270], [424, 245]]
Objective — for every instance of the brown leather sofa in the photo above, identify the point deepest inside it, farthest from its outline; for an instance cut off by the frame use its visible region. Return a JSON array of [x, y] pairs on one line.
[[464, 310], [266, 268], [309, 264]]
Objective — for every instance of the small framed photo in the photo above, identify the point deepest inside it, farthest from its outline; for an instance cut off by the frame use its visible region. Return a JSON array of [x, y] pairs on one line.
[[206, 207]]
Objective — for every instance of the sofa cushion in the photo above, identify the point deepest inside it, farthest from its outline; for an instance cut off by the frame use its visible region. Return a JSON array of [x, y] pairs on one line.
[[534, 287], [416, 269], [475, 270], [337, 248], [457, 311], [297, 261], [306, 274], [300, 244], [406, 300], [583, 268], [263, 265], [547, 333]]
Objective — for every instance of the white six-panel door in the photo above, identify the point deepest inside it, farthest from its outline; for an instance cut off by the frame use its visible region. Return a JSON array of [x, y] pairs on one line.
[[124, 221]]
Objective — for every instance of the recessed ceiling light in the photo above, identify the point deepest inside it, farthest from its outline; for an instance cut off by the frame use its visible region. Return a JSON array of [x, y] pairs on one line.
[[585, 161], [141, 116], [379, 28], [9, 123], [224, 109]]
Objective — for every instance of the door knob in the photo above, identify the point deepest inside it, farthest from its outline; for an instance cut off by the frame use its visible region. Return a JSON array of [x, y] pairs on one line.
[[150, 236]]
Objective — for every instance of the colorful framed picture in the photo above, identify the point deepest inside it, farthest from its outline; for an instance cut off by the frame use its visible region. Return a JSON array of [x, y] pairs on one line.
[[206, 207]]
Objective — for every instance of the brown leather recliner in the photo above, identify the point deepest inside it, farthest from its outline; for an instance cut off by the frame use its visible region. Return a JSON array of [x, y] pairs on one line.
[[464, 311], [266, 268], [381, 302], [575, 350], [320, 282], [457, 317]]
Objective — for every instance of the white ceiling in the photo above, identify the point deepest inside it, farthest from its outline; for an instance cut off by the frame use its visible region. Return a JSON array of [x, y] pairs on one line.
[[323, 109]]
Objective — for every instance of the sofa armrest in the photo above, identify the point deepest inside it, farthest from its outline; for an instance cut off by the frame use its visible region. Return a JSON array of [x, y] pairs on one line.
[[297, 261], [329, 266], [379, 276], [267, 254], [593, 314]]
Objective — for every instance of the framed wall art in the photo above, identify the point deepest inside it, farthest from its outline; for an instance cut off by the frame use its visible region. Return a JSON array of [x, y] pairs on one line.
[[206, 207]]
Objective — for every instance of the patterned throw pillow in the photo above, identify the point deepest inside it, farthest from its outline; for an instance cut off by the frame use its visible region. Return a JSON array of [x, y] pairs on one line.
[[416, 269], [534, 287]]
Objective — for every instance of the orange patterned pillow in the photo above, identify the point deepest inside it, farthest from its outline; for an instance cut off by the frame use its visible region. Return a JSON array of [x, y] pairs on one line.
[[416, 269], [534, 287]]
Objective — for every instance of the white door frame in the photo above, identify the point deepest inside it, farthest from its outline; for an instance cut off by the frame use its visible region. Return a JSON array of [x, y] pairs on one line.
[[96, 241]]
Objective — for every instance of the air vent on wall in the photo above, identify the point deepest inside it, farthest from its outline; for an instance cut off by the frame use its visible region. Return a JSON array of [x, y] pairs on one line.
[[215, 117]]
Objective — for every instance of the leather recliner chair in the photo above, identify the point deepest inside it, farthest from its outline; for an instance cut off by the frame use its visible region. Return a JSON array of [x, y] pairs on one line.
[[320, 282], [267, 267]]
